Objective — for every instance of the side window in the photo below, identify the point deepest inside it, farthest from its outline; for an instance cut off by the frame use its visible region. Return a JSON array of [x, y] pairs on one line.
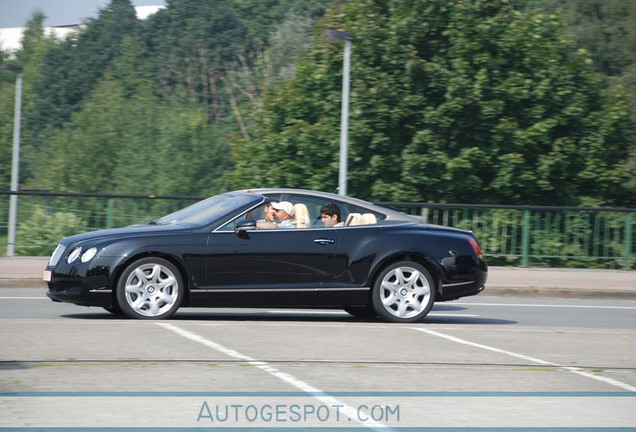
[[368, 216], [257, 214], [307, 210], [312, 206], [267, 218]]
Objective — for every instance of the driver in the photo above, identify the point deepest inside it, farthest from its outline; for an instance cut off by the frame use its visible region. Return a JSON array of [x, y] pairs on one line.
[[282, 215], [269, 212]]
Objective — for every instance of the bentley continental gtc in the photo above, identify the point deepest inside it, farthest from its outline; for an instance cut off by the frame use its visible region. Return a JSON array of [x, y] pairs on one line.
[[223, 251]]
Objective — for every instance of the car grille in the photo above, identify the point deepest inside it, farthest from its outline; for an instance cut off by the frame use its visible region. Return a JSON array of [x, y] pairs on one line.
[[57, 254]]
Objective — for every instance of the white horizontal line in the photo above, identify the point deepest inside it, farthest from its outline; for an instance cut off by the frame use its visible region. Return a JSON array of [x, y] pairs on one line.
[[570, 330], [545, 305]]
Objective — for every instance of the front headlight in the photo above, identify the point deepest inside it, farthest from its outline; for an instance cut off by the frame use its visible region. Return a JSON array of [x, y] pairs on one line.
[[57, 254], [74, 255], [89, 254]]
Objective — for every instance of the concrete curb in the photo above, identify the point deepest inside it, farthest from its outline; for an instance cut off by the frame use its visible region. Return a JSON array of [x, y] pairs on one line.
[[556, 292], [22, 283]]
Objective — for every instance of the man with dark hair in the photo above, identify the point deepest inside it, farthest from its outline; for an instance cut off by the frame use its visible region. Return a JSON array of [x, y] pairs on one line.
[[330, 215], [269, 212], [281, 215]]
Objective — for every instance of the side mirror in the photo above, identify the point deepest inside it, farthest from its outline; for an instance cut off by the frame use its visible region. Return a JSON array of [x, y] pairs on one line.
[[242, 226]]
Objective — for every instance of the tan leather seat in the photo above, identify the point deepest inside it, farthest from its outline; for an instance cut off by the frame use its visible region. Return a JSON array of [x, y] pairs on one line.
[[302, 219], [353, 219], [369, 219]]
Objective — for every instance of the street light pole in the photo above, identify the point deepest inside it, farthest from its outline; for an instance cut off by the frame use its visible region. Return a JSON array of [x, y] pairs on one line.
[[335, 35], [15, 161]]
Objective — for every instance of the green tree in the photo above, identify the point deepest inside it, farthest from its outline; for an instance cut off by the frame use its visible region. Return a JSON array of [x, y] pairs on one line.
[[291, 39], [451, 101], [32, 37], [72, 68], [131, 97], [262, 17], [189, 43], [607, 30], [35, 45], [125, 139], [196, 44]]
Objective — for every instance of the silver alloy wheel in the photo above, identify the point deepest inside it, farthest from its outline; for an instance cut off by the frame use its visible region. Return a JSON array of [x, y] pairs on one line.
[[405, 292], [151, 289]]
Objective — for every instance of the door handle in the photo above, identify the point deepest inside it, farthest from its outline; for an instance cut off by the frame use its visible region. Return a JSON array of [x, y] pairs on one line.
[[324, 241]]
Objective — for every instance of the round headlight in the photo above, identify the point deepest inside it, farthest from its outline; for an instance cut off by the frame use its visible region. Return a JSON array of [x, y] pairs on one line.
[[74, 255], [89, 254]]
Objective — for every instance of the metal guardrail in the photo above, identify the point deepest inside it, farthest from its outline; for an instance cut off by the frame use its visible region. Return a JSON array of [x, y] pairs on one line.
[[540, 235], [509, 235], [45, 217]]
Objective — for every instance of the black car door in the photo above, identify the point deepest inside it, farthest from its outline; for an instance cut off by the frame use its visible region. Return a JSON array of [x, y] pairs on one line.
[[280, 259], [359, 246]]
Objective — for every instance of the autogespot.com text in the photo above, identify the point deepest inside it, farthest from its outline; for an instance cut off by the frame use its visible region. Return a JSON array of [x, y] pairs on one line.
[[296, 413]]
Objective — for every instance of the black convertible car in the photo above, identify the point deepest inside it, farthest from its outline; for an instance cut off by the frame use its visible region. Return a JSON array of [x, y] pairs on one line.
[[376, 262]]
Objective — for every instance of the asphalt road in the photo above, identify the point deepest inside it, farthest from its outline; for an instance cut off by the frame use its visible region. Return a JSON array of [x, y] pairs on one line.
[[480, 362]]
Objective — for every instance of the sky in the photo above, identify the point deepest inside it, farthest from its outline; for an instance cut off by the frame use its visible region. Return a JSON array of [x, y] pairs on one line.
[[16, 13]]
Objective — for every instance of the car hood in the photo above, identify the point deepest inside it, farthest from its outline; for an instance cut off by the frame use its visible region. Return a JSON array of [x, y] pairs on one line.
[[133, 230]]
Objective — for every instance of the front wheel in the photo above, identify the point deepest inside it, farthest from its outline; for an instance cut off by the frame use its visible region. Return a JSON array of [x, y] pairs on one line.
[[404, 292], [150, 288]]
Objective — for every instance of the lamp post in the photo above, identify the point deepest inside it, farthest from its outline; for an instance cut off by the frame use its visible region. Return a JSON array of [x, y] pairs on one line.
[[338, 36], [15, 161]]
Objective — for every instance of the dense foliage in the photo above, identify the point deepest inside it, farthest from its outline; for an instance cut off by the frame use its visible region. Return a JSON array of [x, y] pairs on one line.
[[462, 101], [481, 111]]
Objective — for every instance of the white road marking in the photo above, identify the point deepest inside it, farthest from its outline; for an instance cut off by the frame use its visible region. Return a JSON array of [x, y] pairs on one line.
[[320, 395], [570, 330], [575, 370], [545, 305], [25, 298]]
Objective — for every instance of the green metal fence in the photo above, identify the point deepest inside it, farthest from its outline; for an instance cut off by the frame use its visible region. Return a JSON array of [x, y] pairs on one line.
[[540, 236], [44, 217], [509, 235]]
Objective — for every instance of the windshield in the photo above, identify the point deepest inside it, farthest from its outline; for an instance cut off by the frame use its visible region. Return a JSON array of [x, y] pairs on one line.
[[207, 210]]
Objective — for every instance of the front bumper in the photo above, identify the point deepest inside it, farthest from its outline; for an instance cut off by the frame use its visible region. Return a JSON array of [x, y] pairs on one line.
[[86, 284], [103, 299]]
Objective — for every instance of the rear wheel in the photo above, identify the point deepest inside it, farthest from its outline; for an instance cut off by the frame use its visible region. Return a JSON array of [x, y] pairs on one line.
[[404, 292], [150, 288]]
